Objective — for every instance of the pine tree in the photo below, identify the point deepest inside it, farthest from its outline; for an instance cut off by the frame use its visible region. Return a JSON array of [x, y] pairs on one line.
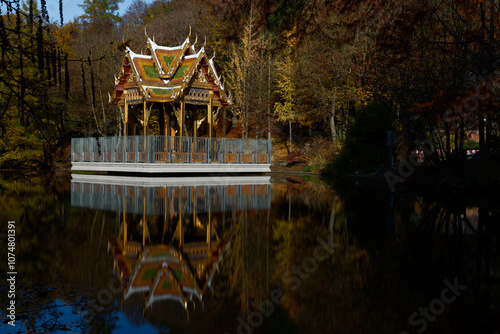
[[100, 11]]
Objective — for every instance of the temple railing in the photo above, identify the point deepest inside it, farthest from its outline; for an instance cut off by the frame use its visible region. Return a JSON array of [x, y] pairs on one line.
[[170, 200], [170, 149]]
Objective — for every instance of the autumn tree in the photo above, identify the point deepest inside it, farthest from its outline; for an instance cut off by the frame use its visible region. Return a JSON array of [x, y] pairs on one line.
[[331, 74], [242, 75], [32, 124], [430, 59], [95, 45], [285, 109], [172, 22]]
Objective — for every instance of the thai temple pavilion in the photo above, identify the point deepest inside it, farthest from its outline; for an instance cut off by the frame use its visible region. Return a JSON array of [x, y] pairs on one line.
[[170, 81], [167, 272], [170, 99]]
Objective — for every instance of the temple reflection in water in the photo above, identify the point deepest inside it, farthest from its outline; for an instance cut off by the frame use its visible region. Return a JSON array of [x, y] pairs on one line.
[[173, 233]]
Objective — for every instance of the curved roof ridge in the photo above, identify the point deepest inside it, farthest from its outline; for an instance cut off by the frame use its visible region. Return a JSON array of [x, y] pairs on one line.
[[163, 73], [153, 47]]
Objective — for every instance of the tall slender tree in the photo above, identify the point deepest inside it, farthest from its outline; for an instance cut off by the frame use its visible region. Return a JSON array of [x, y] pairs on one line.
[[61, 16], [100, 11]]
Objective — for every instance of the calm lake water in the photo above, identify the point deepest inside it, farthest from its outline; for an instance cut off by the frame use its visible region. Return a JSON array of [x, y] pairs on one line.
[[279, 254]]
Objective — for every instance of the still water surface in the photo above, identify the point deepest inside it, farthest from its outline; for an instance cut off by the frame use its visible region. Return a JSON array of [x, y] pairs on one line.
[[280, 254]]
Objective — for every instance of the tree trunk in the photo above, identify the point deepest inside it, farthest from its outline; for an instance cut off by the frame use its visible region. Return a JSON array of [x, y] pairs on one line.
[[247, 75], [247, 126], [448, 144], [243, 126], [224, 125], [269, 97], [489, 130], [462, 135], [481, 131], [457, 135], [332, 121], [290, 126], [120, 121]]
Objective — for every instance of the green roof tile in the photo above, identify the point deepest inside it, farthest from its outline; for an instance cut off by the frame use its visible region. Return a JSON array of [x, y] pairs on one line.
[[151, 71], [168, 59], [162, 91], [149, 274], [180, 72]]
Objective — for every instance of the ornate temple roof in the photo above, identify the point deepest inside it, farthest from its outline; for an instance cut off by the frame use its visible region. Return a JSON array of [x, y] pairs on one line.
[[162, 272], [165, 74]]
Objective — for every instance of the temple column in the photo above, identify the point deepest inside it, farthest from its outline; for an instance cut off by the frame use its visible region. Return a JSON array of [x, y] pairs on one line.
[[210, 116], [183, 117], [193, 200], [124, 234], [125, 117], [145, 119], [165, 220], [144, 223], [210, 127], [181, 232], [195, 128], [166, 120], [224, 122], [195, 123], [209, 226]]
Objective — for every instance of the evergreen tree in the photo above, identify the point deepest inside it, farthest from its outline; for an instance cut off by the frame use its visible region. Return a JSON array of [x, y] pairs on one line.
[[101, 11]]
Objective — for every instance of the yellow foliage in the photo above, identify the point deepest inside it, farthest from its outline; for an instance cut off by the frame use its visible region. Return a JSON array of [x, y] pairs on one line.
[[285, 110]]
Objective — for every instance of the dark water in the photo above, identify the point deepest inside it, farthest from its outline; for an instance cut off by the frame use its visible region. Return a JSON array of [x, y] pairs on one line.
[[254, 255]]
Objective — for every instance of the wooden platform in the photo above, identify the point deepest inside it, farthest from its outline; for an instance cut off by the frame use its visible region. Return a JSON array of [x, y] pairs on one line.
[[146, 181], [171, 168]]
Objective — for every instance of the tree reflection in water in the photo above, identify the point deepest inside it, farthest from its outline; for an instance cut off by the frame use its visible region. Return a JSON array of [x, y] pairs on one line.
[[392, 259]]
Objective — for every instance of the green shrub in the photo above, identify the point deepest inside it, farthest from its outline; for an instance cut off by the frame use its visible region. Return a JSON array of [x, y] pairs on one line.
[[308, 169], [471, 145]]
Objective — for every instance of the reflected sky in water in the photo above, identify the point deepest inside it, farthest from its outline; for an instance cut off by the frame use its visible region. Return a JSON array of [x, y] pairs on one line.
[[246, 254]]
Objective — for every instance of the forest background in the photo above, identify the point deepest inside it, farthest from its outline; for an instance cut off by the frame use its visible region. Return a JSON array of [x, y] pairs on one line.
[[324, 79]]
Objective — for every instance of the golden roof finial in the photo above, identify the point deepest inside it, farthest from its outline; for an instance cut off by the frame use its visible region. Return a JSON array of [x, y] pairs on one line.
[[195, 41]]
